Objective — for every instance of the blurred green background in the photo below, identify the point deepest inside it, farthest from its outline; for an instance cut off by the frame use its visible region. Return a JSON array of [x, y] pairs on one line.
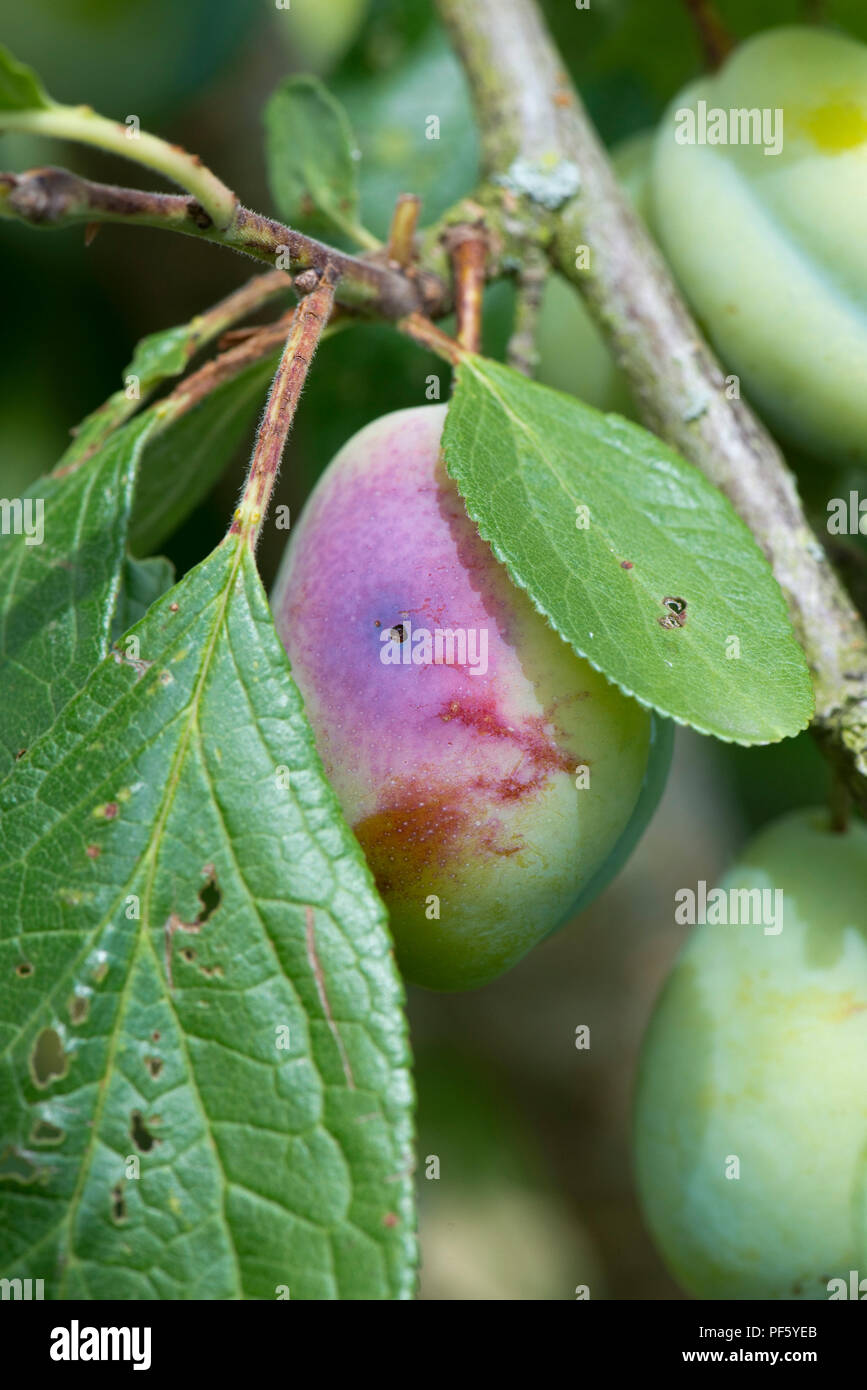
[[529, 1134]]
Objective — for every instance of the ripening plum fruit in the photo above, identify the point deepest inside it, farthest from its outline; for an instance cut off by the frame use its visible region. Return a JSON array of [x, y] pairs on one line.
[[751, 1114], [460, 776], [767, 237]]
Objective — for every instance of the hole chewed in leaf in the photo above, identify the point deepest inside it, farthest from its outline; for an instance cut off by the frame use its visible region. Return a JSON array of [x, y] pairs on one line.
[[154, 1065], [17, 1166], [676, 615], [23, 969], [118, 1205], [141, 1135], [48, 1061], [210, 897], [45, 1133]]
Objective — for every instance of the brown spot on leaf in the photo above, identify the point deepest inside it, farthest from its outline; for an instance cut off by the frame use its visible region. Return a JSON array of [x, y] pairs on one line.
[[79, 1008]]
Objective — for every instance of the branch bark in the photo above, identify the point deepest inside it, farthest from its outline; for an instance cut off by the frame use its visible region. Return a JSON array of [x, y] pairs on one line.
[[52, 197], [532, 120]]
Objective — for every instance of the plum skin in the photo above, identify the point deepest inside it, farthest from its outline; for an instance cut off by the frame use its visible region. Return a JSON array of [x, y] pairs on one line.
[[758, 1049], [456, 785], [770, 250]]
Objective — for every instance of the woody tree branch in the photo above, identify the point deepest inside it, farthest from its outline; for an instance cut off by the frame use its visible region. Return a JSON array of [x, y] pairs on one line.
[[52, 197], [537, 139]]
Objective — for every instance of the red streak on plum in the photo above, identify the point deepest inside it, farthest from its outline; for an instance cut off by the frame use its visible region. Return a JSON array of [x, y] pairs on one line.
[[419, 828], [531, 740]]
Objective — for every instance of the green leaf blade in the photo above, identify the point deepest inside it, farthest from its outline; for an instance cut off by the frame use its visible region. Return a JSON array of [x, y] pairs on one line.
[[187, 455], [20, 88], [310, 148], [526, 459], [262, 1165], [58, 596], [157, 358], [141, 584]]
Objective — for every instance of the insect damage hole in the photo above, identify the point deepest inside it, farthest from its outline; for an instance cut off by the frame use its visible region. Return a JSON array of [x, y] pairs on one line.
[[676, 615], [44, 1132], [118, 1205], [141, 1135], [210, 895], [17, 1166], [48, 1060]]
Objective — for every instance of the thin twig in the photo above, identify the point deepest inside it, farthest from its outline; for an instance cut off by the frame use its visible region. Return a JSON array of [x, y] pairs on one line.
[[468, 250], [427, 335], [401, 234], [55, 198], [82, 124], [308, 323], [715, 39]]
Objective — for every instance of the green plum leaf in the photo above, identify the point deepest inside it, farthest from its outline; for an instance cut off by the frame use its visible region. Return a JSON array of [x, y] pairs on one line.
[[610, 532], [141, 584], [203, 1059], [20, 88], [158, 358], [60, 589], [391, 117], [310, 152], [186, 455]]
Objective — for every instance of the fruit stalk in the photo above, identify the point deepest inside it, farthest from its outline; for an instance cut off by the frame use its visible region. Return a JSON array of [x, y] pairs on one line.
[[308, 323], [715, 39]]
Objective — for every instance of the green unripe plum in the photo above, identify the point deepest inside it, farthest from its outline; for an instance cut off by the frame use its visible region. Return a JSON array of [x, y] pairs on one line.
[[573, 355], [751, 1113], [770, 248], [318, 32], [460, 776]]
